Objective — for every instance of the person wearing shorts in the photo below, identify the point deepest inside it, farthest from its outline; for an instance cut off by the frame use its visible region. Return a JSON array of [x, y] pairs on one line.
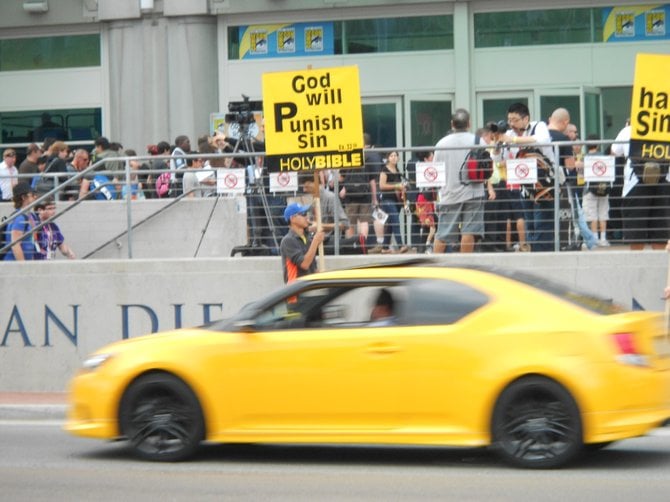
[[461, 208], [597, 213]]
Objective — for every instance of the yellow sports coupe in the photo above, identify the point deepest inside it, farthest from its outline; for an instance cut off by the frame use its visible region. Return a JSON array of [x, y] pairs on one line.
[[412, 353]]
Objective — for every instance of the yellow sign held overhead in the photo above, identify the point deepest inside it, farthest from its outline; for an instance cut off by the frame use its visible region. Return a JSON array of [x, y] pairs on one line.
[[313, 119], [650, 109]]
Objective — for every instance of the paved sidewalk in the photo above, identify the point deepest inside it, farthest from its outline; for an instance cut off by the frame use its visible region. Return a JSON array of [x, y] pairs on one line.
[[33, 405]]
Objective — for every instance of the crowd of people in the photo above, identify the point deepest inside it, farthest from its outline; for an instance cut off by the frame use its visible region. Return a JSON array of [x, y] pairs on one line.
[[493, 214], [379, 208], [54, 164]]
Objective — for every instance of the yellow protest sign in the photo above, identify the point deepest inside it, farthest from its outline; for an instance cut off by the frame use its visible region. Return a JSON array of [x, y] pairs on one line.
[[313, 119], [650, 114]]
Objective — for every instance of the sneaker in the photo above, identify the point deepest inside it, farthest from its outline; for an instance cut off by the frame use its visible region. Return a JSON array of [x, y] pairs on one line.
[[603, 243], [524, 248], [376, 250], [429, 249], [403, 249]]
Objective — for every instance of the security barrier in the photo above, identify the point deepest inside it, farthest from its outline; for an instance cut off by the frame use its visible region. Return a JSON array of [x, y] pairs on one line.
[[238, 210]]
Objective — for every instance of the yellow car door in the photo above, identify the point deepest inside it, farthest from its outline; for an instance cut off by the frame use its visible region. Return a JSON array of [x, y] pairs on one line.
[[317, 380]]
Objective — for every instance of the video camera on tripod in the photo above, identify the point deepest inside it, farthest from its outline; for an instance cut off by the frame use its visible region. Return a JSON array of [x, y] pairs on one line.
[[241, 118]]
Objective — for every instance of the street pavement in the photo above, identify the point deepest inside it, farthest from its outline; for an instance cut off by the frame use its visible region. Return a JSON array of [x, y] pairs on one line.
[[32, 405]]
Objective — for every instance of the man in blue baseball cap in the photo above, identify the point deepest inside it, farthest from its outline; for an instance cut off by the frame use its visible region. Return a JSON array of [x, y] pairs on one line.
[[298, 252]]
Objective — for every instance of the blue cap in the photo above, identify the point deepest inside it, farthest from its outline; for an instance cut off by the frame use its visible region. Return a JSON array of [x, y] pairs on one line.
[[293, 209]]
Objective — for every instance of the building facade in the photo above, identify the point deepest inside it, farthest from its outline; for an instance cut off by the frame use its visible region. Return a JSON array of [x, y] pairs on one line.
[[142, 71]]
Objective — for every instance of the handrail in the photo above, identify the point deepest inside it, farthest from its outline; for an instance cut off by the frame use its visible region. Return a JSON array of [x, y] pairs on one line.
[[151, 216], [73, 177], [47, 195]]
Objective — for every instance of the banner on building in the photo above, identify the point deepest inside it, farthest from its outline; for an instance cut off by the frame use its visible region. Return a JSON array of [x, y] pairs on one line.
[[286, 40], [650, 109], [636, 23], [313, 119]]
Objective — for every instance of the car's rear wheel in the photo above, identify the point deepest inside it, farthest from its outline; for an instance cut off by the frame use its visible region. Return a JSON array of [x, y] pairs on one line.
[[536, 424], [162, 418]]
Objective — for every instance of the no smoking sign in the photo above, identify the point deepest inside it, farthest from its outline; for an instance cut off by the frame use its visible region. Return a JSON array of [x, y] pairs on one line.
[[430, 174], [230, 181], [522, 171], [598, 168]]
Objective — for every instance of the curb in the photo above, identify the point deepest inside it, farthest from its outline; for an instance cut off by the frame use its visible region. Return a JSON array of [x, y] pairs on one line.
[[33, 411]]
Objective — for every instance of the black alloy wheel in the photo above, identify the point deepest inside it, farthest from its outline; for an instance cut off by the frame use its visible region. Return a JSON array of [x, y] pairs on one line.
[[536, 424], [162, 418]]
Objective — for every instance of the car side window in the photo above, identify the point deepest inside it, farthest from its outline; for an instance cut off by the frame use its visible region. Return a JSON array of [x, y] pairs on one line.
[[341, 306], [441, 301]]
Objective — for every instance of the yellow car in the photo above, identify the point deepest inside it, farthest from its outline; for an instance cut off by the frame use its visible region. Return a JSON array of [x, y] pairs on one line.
[[393, 354]]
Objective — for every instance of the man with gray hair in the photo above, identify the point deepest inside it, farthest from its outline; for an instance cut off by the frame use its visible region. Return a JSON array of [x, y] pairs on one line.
[[461, 206]]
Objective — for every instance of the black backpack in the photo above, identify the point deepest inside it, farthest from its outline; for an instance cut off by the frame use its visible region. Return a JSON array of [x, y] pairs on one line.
[[477, 166]]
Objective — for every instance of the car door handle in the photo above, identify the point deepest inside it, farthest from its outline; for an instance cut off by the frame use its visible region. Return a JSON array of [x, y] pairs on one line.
[[382, 349]]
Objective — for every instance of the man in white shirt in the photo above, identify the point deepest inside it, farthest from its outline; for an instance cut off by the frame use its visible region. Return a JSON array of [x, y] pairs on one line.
[[8, 174], [524, 132]]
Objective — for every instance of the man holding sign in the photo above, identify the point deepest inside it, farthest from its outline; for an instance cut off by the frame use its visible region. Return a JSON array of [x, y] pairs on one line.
[[313, 121], [298, 252]]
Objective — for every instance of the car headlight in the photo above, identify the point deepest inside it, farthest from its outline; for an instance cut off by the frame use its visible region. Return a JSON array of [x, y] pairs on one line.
[[93, 362]]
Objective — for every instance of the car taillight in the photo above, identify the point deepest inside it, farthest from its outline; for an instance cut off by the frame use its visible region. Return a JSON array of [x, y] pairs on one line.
[[627, 351]]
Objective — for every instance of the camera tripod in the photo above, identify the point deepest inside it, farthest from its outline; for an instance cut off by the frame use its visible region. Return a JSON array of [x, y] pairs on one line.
[[245, 144]]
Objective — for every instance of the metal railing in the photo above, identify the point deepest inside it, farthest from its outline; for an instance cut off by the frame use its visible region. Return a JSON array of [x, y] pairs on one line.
[[636, 217]]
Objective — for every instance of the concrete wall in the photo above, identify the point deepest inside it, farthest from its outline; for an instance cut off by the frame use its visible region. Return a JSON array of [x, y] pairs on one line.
[[188, 228], [53, 314]]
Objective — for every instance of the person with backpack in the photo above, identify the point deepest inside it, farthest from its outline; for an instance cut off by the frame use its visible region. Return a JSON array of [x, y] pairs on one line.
[[49, 238], [21, 225], [522, 134], [461, 207]]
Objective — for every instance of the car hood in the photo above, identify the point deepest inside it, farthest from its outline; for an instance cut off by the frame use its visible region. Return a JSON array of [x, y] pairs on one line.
[[174, 337]]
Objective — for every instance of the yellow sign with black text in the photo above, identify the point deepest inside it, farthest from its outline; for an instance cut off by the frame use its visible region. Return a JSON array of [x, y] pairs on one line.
[[313, 119], [650, 111]]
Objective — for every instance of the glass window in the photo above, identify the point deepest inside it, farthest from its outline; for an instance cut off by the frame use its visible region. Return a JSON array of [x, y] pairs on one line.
[[381, 122], [439, 301], [549, 103], [496, 109], [42, 53], [430, 121], [351, 305], [538, 27], [75, 124], [421, 33]]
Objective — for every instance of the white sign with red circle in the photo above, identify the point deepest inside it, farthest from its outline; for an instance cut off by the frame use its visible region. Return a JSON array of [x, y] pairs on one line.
[[230, 181], [522, 171], [598, 168], [430, 174], [283, 181]]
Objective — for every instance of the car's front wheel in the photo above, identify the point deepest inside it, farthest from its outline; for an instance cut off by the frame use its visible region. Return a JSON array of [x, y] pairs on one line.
[[536, 424], [162, 418]]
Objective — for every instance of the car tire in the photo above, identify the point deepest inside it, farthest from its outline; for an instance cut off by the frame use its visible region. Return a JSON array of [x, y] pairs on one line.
[[537, 424], [161, 417]]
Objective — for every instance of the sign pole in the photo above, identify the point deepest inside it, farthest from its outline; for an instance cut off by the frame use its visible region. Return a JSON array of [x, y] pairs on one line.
[[317, 215], [667, 300]]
